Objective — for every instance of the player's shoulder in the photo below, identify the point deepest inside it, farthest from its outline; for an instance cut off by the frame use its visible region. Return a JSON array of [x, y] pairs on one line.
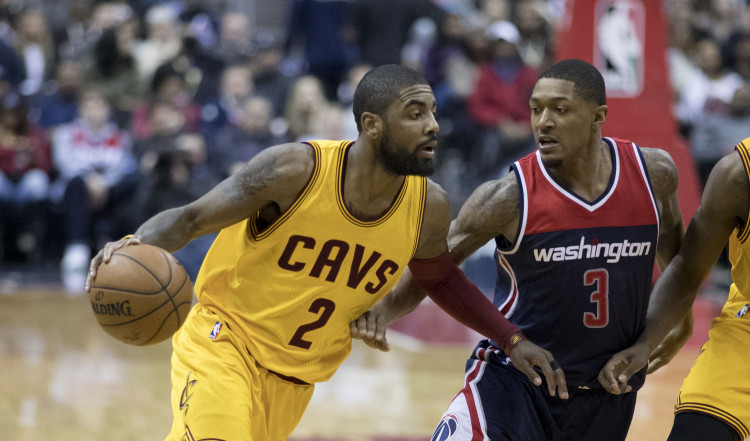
[[498, 198], [294, 157], [662, 170], [731, 169], [283, 170]]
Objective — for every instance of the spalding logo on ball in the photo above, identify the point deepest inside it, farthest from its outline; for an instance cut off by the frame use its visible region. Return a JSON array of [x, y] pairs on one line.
[[142, 295]]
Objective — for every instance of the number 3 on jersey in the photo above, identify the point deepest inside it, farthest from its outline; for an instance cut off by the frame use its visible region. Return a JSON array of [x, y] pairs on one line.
[[600, 279], [321, 306]]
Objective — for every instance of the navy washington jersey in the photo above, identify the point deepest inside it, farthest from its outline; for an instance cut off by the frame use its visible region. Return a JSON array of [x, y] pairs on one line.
[[578, 277]]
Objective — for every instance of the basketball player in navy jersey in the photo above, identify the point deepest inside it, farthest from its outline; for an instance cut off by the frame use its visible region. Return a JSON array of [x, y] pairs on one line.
[[578, 225]]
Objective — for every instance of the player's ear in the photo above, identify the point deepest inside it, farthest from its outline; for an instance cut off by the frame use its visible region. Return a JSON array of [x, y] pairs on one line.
[[372, 124], [600, 116]]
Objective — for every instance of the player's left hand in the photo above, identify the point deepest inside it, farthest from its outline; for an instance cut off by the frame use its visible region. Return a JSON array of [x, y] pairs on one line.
[[105, 255], [370, 328], [525, 355], [616, 373], [671, 345]]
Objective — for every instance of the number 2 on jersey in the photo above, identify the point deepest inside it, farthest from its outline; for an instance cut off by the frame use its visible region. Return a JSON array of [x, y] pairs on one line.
[[600, 296], [322, 306]]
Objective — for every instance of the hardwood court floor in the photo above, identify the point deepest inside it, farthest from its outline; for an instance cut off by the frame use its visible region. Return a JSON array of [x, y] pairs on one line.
[[62, 378]]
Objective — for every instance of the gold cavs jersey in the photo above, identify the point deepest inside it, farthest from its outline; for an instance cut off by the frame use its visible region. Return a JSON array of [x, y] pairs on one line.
[[739, 248], [291, 289], [718, 382]]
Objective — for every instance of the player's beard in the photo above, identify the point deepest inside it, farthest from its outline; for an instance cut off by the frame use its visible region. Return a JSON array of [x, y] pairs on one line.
[[401, 161]]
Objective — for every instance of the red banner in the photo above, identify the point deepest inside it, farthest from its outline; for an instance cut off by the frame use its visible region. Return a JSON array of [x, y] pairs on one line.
[[627, 41]]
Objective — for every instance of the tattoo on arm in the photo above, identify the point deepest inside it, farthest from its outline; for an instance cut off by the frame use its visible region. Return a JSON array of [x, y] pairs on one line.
[[251, 179]]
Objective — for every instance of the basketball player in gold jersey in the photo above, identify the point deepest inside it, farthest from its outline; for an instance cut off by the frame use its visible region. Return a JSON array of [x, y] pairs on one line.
[[713, 404], [312, 235]]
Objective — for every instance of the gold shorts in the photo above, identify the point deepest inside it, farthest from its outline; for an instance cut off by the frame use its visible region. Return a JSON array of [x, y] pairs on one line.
[[219, 392], [719, 382]]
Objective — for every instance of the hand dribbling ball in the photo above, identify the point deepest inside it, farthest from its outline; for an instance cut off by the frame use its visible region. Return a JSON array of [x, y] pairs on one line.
[[142, 295]]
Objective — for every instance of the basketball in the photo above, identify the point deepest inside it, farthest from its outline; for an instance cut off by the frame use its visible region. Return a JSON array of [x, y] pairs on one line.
[[142, 295]]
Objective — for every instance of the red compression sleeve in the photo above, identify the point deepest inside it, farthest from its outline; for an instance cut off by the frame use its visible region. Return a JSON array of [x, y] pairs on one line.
[[450, 289]]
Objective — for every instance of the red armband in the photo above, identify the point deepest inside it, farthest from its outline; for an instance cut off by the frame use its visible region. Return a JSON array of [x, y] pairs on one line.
[[453, 292]]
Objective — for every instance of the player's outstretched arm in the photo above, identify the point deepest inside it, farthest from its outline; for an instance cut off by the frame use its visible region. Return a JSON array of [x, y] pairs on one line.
[[664, 179], [274, 177], [481, 218], [724, 205], [435, 271]]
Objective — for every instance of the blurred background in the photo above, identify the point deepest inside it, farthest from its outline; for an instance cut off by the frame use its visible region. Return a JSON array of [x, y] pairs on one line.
[[111, 111]]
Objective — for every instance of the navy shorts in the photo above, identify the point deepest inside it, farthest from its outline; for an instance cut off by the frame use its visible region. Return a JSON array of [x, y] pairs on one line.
[[499, 403]]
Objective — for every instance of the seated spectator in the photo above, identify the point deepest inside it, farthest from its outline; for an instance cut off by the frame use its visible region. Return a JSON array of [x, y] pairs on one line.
[[235, 38], [58, 102], [34, 46], [717, 133], [238, 143], [309, 114], [175, 171], [235, 88], [113, 69], [168, 86], [500, 103], [170, 137], [25, 165], [269, 80], [709, 89], [96, 180], [163, 40], [535, 45]]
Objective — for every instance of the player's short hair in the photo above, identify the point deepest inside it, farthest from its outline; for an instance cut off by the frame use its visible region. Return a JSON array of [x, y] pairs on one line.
[[587, 80], [380, 87]]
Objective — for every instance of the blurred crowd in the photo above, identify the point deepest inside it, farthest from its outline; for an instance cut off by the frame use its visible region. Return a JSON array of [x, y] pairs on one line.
[[111, 111]]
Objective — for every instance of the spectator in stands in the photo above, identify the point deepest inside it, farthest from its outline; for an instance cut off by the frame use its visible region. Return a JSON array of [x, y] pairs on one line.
[[173, 163], [739, 53], [235, 88], [163, 40], [500, 103], [716, 135], [72, 32], [58, 102], [237, 143], [235, 38], [25, 164], [324, 29], [34, 46], [682, 39], [309, 113], [708, 90], [269, 80], [113, 69], [169, 86], [450, 36], [96, 178], [535, 45], [382, 29]]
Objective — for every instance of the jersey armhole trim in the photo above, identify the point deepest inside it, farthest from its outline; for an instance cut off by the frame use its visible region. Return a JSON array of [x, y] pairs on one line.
[[743, 232], [259, 235]]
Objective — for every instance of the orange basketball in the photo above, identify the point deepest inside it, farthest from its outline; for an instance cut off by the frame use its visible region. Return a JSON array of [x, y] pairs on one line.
[[142, 295]]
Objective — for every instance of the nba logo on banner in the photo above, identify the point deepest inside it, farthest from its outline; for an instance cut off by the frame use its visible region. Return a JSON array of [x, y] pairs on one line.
[[619, 36], [215, 331]]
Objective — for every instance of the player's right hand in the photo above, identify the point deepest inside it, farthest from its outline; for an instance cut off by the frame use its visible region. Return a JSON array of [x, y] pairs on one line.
[[105, 254], [370, 328], [525, 355], [616, 373]]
